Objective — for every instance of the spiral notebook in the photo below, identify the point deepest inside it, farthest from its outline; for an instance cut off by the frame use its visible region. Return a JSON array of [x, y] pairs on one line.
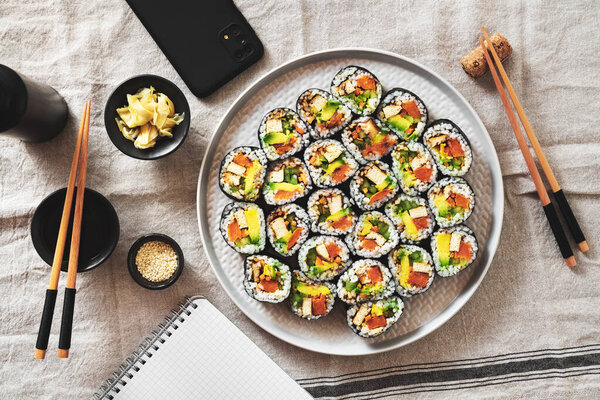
[[199, 354]]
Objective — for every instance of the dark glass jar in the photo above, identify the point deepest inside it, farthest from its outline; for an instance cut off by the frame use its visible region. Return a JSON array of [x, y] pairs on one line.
[[29, 110]]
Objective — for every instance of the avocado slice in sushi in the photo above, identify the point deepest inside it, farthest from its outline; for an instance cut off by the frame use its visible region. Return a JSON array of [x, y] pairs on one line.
[[373, 236], [310, 299], [267, 279], [323, 257], [329, 163], [286, 181], [358, 89], [287, 228], [242, 173], [412, 217], [403, 112], [451, 200], [373, 318], [365, 280], [449, 146], [412, 267], [414, 167], [373, 185], [454, 249], [282, 133], [243, 227]]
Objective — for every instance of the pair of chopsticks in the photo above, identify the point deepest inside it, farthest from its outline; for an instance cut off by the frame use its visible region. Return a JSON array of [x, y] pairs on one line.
[[79, 164], [559, 196]]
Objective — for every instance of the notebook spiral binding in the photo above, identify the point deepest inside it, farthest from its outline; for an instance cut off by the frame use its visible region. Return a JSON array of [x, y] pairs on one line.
[[145, 350]]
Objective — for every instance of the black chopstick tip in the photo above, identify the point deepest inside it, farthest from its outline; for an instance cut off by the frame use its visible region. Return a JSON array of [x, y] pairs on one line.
[[571, 262], [583, 246]]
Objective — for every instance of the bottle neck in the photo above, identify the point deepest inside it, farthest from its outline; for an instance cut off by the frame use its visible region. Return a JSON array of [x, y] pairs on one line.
[[13, 98]]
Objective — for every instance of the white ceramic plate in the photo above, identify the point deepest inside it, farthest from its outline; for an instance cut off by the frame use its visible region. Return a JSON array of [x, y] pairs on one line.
[[281, 87]]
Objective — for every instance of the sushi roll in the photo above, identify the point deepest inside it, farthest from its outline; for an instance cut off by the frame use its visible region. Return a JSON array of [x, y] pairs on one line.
[[358, 89], [311, 299], [449, 146], [323, 258], [373, 185], [288, 227], [368, 140], [242, 173], [330, 212], [243, 227], [412, 217], [323, 113], [329, 163], [372, 318], [287, 180], [453, 249], [267, 279], [373, 236], [452, 201], [365, 280], [412, 268], [414, 167], [282, 133], [404, 113]]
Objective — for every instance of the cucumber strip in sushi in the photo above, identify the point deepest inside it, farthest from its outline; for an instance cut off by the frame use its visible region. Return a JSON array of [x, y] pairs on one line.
[[330, 212], [404, 113], [412, 267], [243, 227], [451, 201], [267, 279], [323, 257], [373, 185], [282, 133], [449, 146], [242, 173], [372, 318], [412, 217], [323, 113], [329, 163], [368, 140], [311, 299], [365, 280], [453, 249], [287, 228], [286, 181], [414, 167], [358, 89], [373, 236]]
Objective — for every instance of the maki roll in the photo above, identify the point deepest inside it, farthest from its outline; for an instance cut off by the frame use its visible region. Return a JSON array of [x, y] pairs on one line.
[[311, 299], [412, 268], [323, 257], [373, 185], [414, 167], [243, 227], [329, 163], [287, 228], [286, 181], [330, 212], [282, 133], [452, 201], [404, 113], [453, 249], [368, 140], [365, 280], [373, 236], [412, 217], [358, 89], [449, 146], [267, 279], [242, 173], [372, 318], [323, 113]]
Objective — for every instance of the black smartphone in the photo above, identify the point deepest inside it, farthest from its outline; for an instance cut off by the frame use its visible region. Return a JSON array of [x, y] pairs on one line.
[[209, 42]]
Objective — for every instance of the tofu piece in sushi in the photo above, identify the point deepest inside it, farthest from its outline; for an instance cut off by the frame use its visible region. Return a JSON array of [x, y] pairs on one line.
[[286, 181], [365, 280], [414, 167], [282, 133], [373, 236], [243, 227], [449, 146], [451, 201], [358, 89], [311, 299], [453, 249], [329, 163], [288, 226], [242, 173], [330, 212], [373, 185], [412, 217], [323, 113], [403, 112], [323, 257], [373, 318], [413, 269], [267, 279], [368, 140]]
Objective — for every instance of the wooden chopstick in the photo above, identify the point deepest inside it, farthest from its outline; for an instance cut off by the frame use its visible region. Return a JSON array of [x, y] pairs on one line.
[[51, 292], [64, 341], [559, 195], [559, 234]]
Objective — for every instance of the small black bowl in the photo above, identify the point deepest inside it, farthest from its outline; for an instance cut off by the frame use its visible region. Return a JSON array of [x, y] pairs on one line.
[[135, 274], [118, 99], [99, 229]]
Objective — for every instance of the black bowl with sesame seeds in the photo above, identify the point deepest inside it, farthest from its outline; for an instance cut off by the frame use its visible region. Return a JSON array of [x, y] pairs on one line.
[[155, 261]]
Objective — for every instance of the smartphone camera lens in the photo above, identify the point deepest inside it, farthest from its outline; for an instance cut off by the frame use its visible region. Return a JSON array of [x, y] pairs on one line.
[[235, 31], [242, 39], [238, 55], [247, 50]]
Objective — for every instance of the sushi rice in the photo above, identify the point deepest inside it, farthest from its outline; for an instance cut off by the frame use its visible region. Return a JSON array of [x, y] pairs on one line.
[[323, 113], [372, 318], [414, 167], [242, 173], [373, 185], [358, 89], [373, 236], [368, 140], [413, 269], [311, 299], [330, 212], [286, 181], [449, 146], [267, 279], [243, 227], [403, 112], [365, 280], [451, 201], [323, 258], [329, 163], [288, 226], [453, 249], [412, 217], [282, 133]]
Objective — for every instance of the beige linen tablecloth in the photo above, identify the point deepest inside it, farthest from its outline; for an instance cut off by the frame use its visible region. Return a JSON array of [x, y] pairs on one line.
[[528, 302]]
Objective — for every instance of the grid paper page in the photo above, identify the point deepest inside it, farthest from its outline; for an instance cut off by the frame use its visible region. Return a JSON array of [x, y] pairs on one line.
[[207, 357]]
